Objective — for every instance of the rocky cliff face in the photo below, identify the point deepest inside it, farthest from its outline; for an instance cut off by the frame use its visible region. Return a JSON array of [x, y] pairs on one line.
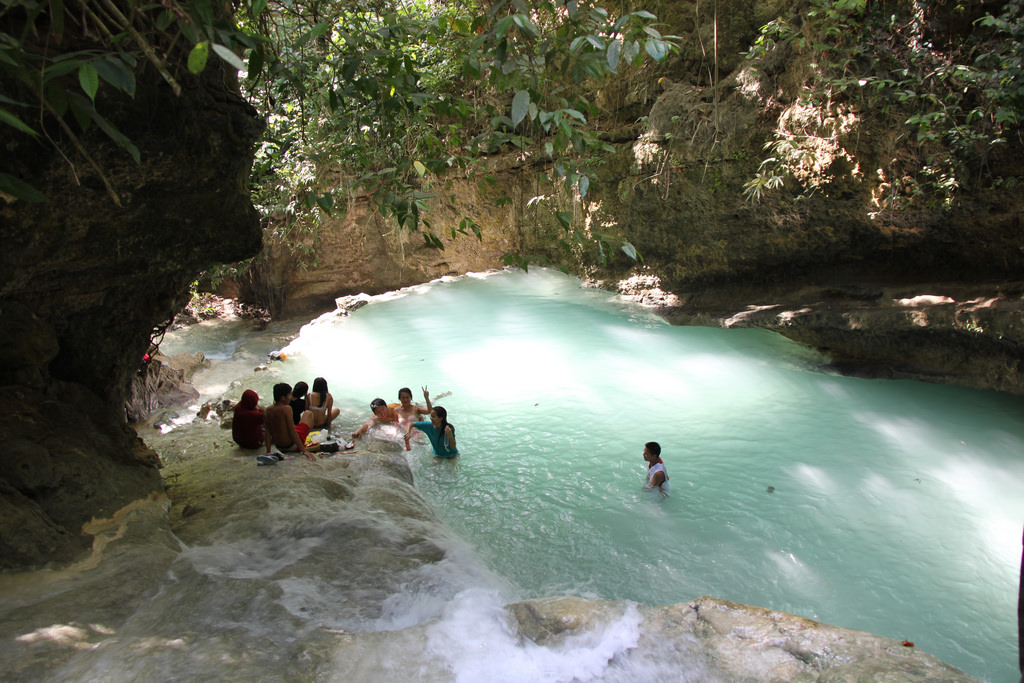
[[836, 258], [84, 280]]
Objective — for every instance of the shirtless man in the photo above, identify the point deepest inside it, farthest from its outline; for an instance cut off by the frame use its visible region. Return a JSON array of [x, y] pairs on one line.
[[281, 431]]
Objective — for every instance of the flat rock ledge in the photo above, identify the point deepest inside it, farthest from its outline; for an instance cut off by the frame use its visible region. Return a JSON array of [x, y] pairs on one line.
[[944, 332]]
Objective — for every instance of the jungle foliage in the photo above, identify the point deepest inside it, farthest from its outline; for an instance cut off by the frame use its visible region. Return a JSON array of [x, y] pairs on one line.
[[390, 99], [376, 97], [960, 93]]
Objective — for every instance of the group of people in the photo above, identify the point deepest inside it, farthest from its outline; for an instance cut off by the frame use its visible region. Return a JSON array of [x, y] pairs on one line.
[[297, 411], [288, 421]]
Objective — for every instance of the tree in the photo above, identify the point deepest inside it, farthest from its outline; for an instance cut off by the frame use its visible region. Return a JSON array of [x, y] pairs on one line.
[[385, 96]]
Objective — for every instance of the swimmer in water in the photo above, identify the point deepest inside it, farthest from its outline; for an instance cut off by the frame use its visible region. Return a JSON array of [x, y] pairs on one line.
[[408, 411], [439, 431], [382, 414], [657, 476]]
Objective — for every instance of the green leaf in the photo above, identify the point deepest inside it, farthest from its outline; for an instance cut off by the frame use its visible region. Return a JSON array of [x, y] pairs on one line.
[[326, 203], [20, 189], [656, 49], [565, 218], [614, 51], [13, 121], [198, 56], [502, 27], [629, 250], [89, 79], [116, 73], [229, 57], [584, 185], [57, 19], [528, 28], [630, 51], [520, 106], [255, 63], [421, 170], [110, 129]]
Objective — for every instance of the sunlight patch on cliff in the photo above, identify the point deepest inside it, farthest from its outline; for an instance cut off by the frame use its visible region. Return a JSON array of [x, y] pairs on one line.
[[808, 142]]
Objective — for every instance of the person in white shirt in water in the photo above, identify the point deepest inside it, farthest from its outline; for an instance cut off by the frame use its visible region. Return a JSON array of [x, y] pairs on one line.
[[657, 477]]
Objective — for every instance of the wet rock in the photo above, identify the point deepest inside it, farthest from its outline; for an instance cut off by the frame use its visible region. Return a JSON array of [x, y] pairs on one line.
[[163, 382], [739, 642]]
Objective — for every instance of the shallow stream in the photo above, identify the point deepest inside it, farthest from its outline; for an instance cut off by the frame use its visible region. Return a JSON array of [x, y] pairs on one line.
[[889, 506]]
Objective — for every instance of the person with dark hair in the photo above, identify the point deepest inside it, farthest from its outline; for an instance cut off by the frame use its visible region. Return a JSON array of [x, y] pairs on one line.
[[247, 425], [657, 476], [298, 401], [440, 432], [382, 412], [320, 402], [408, 411], [281, 431]]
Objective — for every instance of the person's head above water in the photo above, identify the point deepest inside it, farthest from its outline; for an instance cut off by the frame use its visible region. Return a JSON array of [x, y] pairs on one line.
[[320, 386], [403, 393], [652, 452], [281, 390], [439, 418], [299, 390], [379, 407]]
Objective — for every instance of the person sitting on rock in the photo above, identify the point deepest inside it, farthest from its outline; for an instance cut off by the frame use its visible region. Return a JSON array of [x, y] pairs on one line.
[[320, 402], [247, 427], [298, 401], [282, 432]]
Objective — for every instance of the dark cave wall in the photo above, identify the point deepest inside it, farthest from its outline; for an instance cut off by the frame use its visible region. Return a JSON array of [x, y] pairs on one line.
[[84, 281]]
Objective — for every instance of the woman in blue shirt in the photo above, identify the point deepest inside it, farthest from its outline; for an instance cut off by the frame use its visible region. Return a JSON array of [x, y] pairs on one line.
[[440, 433]]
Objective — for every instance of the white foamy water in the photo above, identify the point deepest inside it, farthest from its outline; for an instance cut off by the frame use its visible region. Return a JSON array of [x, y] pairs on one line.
[[888, 506]]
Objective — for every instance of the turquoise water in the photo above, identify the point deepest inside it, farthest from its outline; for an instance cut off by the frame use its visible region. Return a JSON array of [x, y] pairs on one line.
[[888, 506]]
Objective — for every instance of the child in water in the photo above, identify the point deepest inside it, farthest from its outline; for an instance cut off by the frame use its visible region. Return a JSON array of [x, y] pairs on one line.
[[657, 476], [439, 431]]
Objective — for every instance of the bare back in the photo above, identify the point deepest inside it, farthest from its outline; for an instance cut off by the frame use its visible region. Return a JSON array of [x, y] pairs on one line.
[[280, 427]]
